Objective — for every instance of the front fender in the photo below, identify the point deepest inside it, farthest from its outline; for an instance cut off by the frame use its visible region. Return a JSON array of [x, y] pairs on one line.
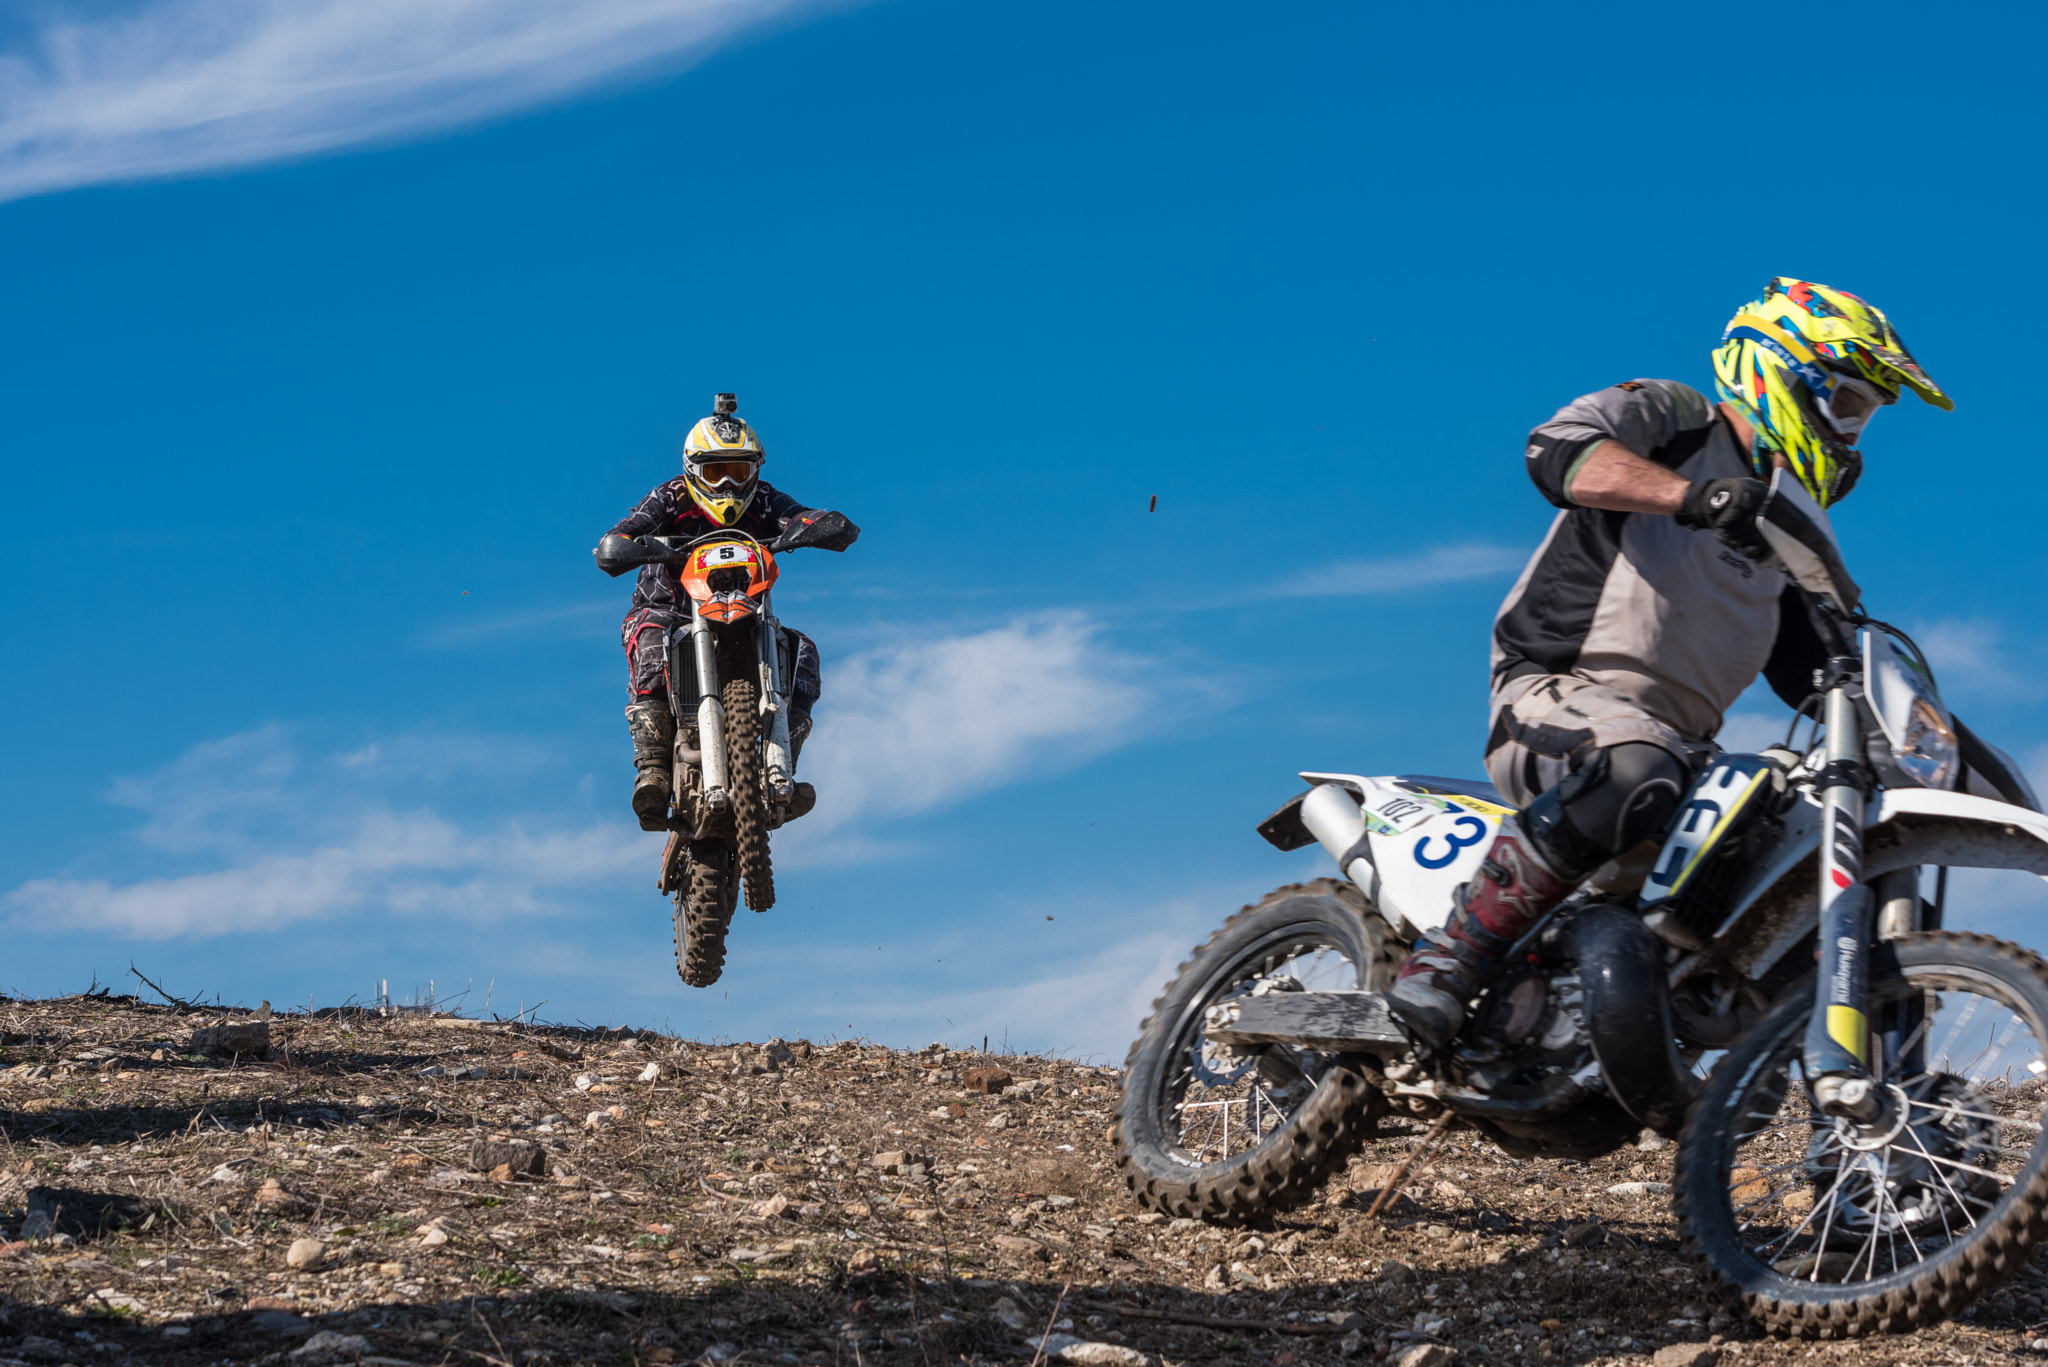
[[1903, 828]]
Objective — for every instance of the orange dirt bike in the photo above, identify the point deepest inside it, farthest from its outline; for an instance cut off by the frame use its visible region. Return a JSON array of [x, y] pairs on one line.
[[729, 679]]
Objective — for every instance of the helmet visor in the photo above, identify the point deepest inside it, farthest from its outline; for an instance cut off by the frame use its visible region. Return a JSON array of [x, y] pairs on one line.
[[725, 474]]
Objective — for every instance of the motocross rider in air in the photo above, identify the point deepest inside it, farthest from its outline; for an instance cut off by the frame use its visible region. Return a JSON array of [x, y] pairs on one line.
[[721, 486], [1644, 615]]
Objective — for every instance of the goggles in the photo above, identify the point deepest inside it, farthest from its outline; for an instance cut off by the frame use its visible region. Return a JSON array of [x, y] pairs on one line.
[[1849, 408], [722, 474]]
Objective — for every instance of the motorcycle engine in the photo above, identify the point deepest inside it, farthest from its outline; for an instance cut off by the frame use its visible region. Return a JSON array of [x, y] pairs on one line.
[[1531, 1026]]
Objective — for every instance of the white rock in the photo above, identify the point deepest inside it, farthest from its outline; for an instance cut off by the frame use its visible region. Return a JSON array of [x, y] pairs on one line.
[[433, 1238], [226, 1175], [650, 1073], [116, 1300], [1085, 1353], [328, 1344], [585, 1081], [1639, 1189], [305, 1253], [1427, 1355]]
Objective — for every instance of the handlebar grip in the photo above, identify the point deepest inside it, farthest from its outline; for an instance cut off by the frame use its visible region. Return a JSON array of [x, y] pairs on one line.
[[617, 554]]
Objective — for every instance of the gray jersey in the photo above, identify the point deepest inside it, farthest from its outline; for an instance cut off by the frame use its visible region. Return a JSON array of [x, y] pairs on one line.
[[1665, 616]]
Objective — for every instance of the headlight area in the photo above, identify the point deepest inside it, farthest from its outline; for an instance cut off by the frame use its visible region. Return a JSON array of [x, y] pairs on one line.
[[1926, 753]]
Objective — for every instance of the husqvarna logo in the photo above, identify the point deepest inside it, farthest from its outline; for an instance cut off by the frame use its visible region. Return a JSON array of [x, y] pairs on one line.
[[1843, 981]]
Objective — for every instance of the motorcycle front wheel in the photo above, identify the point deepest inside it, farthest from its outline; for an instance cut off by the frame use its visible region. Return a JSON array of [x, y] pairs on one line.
[[1225, 1137], [1827, 1229], [704, 906]]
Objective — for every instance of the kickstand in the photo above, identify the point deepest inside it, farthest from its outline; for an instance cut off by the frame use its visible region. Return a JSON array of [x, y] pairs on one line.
[[1430, 1139]]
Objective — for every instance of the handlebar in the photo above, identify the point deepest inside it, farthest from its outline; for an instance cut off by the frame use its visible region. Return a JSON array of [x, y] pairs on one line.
[[826, 531]]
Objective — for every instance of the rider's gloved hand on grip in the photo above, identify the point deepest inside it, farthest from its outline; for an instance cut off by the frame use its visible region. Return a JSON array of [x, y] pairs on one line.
[[1728, 508], [616, 554], [824, 530]]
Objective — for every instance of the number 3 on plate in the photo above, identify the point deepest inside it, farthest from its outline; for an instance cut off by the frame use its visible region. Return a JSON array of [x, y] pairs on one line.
[[1471, 830]]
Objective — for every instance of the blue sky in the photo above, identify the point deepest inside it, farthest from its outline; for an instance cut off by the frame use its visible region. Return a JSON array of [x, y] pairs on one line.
[[336, 334]]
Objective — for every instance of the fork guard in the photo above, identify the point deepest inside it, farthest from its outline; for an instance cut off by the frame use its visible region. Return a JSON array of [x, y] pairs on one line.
[[1628, 1017]]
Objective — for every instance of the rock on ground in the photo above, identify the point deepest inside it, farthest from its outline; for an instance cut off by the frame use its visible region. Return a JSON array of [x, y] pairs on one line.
[[787, 1202]]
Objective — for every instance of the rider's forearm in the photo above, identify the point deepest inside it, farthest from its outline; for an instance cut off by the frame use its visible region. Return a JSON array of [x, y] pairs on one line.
[[1617, 480]]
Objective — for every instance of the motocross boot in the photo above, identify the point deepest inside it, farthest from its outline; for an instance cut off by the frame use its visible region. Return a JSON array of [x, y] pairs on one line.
[[1513, 890], [654, 736], [805, 797]]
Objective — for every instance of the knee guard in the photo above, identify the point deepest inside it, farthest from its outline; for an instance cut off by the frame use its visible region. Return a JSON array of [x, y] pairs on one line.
[[1613, 802]]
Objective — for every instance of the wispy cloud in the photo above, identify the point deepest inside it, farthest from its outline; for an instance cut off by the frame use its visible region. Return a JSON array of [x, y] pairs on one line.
[[1971, 656], [260, 831], [1406, 573], [908, 726], [566, 621], [1086, 1002], [183, 86], [280, 837]]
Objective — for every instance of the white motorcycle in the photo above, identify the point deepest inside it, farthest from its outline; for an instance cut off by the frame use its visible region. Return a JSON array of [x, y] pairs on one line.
[[1866, 1153]]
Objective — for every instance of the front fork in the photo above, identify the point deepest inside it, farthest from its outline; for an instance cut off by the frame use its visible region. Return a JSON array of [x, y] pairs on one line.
[[1837, 1053], [778, 768], [710, 714]]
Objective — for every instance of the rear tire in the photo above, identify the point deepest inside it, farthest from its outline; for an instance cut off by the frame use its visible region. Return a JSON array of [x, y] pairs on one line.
[[704, 907], [1305, 1113]]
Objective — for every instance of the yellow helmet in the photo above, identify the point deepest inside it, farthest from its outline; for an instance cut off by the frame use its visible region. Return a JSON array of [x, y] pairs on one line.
[[1808, 365], [722, 462]]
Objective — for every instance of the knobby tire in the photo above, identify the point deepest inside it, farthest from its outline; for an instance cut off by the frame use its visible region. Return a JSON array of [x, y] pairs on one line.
[[1963, 1272], [742, 700], [704, 907], [1288, 1165]]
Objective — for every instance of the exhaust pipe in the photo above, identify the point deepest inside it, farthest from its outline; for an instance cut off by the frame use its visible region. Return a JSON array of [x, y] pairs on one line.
[[1332, 816]]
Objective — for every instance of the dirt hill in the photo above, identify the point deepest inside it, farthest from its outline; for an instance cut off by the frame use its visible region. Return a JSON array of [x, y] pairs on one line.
[[408, 1189]]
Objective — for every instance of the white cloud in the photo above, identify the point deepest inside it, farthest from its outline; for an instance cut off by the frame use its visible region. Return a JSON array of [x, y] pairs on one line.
[[909, 726], [1407, 573], [1970, 656], [271, 835], [288, 839], [1077, 988], [180, 86]]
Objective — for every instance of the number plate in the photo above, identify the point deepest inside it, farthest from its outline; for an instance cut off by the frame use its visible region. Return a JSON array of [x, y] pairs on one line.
[[1393, 813], [725, 553]]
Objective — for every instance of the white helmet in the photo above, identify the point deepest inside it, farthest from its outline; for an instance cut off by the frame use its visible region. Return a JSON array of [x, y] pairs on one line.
[[722, 462]]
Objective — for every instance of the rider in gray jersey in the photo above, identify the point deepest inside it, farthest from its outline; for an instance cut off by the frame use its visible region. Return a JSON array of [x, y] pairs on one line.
[[1644, 615]]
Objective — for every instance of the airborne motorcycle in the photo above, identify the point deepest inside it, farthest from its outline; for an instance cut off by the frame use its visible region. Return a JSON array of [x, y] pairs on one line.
[[1868, 1152], [729, 680]]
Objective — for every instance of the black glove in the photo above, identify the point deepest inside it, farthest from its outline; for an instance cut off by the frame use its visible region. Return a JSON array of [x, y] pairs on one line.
[[1728, 508], [826, 531], [616, 554]]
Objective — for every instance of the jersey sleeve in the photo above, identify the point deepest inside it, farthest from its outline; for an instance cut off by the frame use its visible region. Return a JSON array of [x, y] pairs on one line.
[[1660, 420], [775, 507], [653, 514]]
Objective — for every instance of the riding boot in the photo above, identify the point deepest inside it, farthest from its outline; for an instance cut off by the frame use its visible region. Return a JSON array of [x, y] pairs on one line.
[[805, 797], [1513, 890], [654, 735]]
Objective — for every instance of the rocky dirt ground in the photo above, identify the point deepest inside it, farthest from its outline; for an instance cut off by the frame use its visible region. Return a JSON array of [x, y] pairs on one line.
[[651, 1200]]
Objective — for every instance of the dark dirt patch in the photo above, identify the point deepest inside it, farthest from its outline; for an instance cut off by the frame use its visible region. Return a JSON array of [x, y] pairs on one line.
[[732, 1207]]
